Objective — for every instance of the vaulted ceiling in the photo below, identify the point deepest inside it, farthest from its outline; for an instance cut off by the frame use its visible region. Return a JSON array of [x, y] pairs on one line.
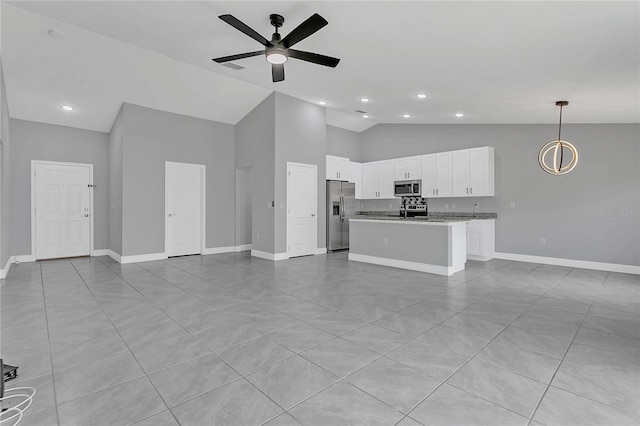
[[496, 62]]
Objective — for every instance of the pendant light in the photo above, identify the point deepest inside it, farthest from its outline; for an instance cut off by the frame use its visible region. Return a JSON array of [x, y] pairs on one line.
[[559, 164]]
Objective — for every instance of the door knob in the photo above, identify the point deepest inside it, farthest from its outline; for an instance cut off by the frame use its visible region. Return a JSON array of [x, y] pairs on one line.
[[86, 215], [171, 214], [313, 215]]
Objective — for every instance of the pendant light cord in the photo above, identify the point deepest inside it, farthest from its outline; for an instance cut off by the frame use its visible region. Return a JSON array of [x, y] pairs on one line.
[[559, 139]]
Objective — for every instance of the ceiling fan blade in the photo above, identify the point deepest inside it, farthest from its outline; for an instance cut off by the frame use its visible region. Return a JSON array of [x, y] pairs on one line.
[[241, 26], [277, 72], [238, 56], [304, 30], [315, 58]]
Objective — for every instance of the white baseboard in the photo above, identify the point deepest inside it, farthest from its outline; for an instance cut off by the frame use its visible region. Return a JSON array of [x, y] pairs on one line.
[[572, 263], [479, 258], [142, 258], [269, 256], [281, 256], [218, 250], [404, 264], [101, 252], [321, 250], [4, 271], [24, 258], [115, 256], [230, 249]]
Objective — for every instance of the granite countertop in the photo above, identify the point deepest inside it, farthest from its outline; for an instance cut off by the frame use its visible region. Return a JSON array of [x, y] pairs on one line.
[[431, 217], [420, 219]]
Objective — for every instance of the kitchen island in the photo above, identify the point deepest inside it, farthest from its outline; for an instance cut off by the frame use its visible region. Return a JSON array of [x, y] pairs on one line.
[[437, 246]]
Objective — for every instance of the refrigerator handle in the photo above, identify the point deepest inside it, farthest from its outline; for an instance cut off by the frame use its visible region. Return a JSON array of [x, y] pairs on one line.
[[341, 207]]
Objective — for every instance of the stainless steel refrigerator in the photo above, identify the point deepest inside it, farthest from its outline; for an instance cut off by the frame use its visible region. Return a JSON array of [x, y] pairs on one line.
[[341, 205]]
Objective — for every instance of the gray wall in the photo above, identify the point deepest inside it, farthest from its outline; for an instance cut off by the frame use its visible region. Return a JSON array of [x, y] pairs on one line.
[[39, 141], [243, 205], [300, 137], [115, 184], [343, 143], [5, 148], [589, 214], [255, 147], [151, 137]]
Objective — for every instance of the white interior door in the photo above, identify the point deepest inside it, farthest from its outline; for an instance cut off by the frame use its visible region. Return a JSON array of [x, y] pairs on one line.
[[62, 210], [302, 219], [184, 208]]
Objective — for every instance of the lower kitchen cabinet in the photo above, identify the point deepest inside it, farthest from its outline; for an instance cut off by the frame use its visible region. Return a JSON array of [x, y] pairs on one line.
[[481, 239]]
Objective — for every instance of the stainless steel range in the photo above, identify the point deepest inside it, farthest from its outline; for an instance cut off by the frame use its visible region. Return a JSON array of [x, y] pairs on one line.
[[413, 206]]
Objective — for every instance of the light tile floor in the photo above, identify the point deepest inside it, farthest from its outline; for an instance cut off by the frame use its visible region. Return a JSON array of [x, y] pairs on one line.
[[230, 339]]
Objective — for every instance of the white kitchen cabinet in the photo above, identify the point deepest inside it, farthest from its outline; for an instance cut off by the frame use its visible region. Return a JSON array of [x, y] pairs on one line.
[[436, 175], [481, 171], [460, 173], [473, 172], [481, 239], [338, 168], [356, 177], [408, 168], [377, 179]]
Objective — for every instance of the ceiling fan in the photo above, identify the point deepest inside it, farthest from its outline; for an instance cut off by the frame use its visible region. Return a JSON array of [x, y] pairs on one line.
[[278, 50]]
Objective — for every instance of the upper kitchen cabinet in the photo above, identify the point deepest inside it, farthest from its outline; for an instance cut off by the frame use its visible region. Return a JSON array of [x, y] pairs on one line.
[[338, 168], [472, 172], [377, 179], [408, 168], [356, 177], [436, 175]]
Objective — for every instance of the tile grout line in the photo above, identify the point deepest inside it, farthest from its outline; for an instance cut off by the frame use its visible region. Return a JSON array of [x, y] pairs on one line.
[[53, 380], [128, 348], [479, 350], [535, 408]]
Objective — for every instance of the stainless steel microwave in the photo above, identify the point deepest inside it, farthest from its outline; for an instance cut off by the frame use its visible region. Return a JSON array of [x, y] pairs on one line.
[[407, 188]]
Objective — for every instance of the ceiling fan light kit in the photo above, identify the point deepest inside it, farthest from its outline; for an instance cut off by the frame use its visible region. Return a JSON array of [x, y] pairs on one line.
[[557, 164], [278, 50]]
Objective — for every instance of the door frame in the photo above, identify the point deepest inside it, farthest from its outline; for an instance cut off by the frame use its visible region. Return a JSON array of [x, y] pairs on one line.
[[315, 205], [33, 201], [203, 206]]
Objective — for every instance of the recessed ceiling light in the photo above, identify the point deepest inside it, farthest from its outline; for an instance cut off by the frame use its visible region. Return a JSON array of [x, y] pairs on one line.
[[67, 107], [421, 95], [365, 116], [406, 115], [365, 100], [459, 114], [322, 102]]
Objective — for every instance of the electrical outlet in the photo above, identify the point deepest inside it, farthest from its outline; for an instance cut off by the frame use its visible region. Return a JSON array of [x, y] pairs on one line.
[[512, 204], [453, 205], [543, 240], [385, 241], [390, 205], [476, 205], [446, 206]]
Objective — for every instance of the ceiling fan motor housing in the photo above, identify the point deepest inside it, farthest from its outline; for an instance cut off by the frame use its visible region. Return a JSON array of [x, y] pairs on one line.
[[276, 20]]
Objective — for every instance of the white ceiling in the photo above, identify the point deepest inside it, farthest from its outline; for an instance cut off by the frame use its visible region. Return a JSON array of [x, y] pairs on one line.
[[498, 62]]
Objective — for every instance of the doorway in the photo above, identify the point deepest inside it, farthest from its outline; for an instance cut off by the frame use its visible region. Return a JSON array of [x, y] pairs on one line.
[[244, 209], [302, 212], [62, 214], [184, 208]]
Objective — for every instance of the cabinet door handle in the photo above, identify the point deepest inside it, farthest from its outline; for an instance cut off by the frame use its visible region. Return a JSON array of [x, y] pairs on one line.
[[467, 190], [471, 190], [434, 192], [437, 191]]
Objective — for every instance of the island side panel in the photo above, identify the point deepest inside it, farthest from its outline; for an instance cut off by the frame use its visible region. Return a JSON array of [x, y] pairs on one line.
[[419, 246]]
